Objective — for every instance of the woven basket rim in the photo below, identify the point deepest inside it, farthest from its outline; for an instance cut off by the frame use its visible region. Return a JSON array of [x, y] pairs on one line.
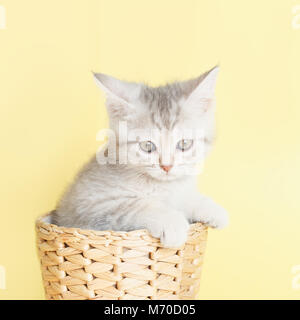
[[41, 223]]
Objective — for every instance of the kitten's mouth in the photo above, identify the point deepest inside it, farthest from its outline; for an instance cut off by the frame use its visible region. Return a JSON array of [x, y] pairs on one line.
[[160, 174], [166, 168], [176, 172]]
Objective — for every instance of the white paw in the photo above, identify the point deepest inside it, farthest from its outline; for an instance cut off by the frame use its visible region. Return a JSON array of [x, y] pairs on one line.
[[219, 219], [171, 231], [212, 215]]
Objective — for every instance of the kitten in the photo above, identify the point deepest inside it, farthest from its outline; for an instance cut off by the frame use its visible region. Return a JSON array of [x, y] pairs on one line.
[[156, 191]]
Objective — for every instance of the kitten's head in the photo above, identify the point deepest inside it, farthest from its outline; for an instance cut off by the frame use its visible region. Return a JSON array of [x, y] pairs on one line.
[[164, 131]]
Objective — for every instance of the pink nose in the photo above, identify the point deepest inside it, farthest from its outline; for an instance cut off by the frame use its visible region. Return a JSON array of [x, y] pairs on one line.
[[166, 168]]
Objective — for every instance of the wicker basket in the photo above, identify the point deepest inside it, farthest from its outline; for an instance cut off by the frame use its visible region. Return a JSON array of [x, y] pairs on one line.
[[109, 265]]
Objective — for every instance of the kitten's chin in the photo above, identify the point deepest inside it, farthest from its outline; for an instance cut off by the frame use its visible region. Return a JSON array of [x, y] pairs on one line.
[[164, 177]]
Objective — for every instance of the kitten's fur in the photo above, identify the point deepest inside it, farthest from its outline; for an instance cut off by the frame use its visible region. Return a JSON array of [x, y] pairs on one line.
[[126, 196]]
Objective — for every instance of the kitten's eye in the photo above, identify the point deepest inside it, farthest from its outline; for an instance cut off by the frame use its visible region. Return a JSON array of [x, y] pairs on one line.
[[147, 146], [184, 144]]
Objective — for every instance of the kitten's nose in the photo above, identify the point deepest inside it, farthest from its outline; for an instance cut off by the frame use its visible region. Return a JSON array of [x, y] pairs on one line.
[[166, 168]]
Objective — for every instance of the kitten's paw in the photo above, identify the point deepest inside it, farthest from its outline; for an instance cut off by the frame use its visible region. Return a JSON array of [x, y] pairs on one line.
[[219, 219], [212, 215], [172, 232]]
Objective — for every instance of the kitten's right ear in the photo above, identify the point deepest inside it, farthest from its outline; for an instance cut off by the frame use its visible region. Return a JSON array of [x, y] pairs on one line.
[[125, 92], [121, 95]]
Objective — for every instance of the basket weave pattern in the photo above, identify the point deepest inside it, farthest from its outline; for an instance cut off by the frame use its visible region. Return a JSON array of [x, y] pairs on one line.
[[109, 265]]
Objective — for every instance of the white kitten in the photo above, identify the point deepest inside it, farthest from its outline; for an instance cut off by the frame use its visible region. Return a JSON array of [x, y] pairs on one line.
[[148, 180]]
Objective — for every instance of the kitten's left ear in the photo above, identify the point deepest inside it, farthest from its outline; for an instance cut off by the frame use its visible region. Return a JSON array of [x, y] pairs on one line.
[[202, 89]]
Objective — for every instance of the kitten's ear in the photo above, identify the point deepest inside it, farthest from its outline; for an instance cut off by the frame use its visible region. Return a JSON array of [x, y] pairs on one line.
[[120, 94], [200, 92]]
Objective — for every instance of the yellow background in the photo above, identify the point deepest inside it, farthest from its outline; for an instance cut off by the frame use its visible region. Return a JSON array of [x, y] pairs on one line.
[[51, 110]]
